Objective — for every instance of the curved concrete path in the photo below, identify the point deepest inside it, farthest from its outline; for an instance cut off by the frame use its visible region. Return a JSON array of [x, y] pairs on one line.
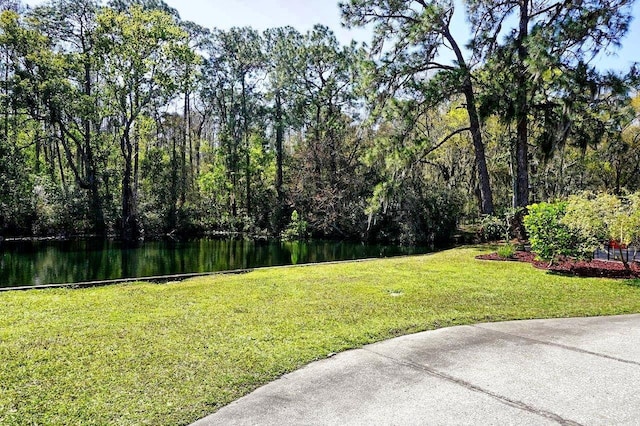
[[565, 371]]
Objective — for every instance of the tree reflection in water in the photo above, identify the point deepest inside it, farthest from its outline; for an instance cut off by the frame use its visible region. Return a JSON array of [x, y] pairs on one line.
[[50, 262]]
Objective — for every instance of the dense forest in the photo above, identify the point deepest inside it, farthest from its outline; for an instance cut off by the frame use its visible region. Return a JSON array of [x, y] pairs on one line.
[[122, 119]]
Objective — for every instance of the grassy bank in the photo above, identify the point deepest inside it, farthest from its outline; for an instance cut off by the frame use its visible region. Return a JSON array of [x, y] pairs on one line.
[[170, 354]]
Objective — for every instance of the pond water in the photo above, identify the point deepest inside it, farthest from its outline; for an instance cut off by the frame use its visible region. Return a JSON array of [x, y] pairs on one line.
[[26, 263]]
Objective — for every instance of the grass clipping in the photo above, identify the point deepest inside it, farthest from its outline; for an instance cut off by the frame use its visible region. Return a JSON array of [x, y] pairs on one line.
[[171, 354]]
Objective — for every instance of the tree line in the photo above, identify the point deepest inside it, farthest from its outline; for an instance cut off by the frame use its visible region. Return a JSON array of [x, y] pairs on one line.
[[123, 119]]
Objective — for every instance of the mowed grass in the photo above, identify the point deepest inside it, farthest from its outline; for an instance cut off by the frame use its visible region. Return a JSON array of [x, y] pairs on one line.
[[170, 354]]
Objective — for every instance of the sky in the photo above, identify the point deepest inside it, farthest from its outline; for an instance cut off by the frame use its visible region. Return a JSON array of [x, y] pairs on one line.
[[303, 14], [263, 14]]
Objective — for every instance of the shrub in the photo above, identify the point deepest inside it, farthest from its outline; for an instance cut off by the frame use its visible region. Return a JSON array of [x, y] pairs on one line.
[[583, 223], [493, 228], [549, 237], [588, 216], [506, 251], [602, 218]]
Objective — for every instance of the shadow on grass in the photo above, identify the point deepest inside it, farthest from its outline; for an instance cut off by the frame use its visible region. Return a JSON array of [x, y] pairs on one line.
[[633, 283], [565, 273]]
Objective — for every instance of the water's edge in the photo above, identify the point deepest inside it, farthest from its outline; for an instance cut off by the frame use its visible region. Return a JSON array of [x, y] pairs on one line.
[[36, 264]]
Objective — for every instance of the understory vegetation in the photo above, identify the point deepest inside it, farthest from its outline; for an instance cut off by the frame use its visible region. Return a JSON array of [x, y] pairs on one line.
[[170, 354], [120, 118]]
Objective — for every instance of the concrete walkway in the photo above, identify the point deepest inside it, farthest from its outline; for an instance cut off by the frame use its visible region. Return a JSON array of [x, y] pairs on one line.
[[567, 371]]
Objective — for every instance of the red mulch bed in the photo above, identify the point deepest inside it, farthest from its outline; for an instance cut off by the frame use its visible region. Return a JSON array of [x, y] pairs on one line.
[[581, 268]]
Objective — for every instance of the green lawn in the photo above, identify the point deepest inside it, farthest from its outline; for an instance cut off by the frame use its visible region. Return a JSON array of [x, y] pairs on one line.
[[170, 354]]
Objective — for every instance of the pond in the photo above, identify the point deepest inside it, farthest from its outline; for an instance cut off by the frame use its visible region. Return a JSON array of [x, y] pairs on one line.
[[27, 263]]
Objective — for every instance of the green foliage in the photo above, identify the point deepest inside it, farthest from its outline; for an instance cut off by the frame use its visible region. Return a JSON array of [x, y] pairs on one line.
[[59, 212], [493, 228], [16, 199], [540, 71], [262, 124], [582, 224], [623, 223], [588, 216], [417, 36], [299, 250], [506, 251], [549, 237], [604, 217], [414, 213], [297, 228], [633, 218]]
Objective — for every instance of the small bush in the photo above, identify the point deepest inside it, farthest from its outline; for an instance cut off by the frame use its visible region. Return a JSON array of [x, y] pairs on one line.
[[550, 238], [493, 228], [587, 216], [506, 251]]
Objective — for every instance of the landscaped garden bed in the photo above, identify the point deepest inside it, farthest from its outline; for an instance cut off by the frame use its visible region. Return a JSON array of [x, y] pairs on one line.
[[562, 234], [564, 265]]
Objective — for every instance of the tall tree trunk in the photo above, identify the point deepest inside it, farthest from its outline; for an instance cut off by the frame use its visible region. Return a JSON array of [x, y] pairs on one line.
[[172, 219], [49, 150], [331, 145], [198, 146], [480, 158], [233, 169], [5, 127], [474, 124], [130, 191], [136, 166], [279, 164], [245, 123], [130, 229], [232, 152], [522, 139], [63, 180], [38, 141], [316, 141], [183, 170], [187, 143], [90, 167]]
